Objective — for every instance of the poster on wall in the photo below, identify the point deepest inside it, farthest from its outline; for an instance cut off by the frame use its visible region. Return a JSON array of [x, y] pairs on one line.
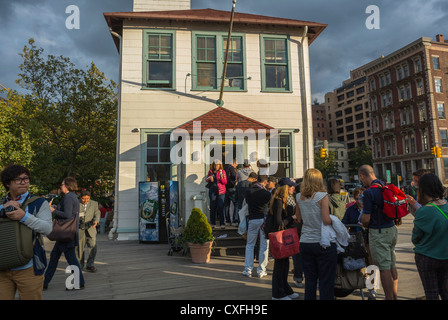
[[174, 204], [149, 211]]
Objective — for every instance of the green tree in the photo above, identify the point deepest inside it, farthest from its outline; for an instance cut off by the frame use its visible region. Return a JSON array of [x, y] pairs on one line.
[[72, 117], [357, 157], [328, 165], [15, 141]]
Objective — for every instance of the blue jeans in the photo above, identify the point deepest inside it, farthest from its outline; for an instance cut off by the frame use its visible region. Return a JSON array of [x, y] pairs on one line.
[[253, 229], [231, 197], [319, 264], [216, 207], [70, 256]]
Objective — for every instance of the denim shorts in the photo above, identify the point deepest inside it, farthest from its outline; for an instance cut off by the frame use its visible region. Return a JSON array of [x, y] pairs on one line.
[[382, 247]]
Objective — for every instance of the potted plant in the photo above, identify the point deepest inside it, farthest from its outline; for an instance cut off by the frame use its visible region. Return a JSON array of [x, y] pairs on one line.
[[199, 236]]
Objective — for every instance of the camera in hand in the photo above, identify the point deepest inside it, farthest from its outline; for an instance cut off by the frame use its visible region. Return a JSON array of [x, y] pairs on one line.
[[4, 211]]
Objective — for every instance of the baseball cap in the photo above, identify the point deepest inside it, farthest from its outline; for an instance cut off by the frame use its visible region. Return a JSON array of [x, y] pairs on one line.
[[286, 181]]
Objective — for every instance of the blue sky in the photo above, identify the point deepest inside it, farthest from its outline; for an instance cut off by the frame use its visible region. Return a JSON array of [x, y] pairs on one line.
[[346, 43]]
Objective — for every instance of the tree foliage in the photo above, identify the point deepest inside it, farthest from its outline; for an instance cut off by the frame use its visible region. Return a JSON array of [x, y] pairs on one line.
[[357, 157], [70, 118], [328, 165]]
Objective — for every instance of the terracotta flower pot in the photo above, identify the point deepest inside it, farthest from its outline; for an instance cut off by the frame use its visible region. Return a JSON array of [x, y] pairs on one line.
[[200, 253]]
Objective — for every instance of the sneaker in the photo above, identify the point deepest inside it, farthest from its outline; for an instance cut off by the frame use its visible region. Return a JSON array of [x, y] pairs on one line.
[[284, 298], [293, 296], [247, 273], [372, 295], [262, 274], [298, 282]]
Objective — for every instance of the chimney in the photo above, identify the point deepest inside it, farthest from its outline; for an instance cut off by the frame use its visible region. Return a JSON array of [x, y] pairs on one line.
[[161, 5], [439, 38]]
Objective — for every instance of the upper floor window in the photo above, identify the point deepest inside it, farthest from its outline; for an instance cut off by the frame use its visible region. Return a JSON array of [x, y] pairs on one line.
[[441, 110], [444, 138], [209, 52], [438, 84], [276, 73], [402, 71], [372, 84], [435, 63], [158, 70], [420, 87], [417, 65]]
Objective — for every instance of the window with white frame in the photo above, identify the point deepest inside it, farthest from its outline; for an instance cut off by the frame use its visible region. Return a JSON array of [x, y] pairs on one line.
[[438, 84], [441, 110], [435, 63]]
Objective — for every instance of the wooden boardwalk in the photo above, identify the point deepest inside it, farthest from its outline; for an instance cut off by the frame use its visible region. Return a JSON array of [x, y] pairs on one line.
[[129, 270]]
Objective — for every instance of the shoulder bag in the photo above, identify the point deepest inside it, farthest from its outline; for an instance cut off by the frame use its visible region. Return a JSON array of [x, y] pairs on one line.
[[284, 243], [432, 204], [63, 231]]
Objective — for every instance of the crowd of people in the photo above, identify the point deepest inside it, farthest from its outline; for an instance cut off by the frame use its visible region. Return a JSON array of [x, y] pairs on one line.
[[308, 204], [30, 279]]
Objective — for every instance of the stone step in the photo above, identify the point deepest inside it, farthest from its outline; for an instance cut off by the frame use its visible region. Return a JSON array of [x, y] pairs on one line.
[[228, 242]]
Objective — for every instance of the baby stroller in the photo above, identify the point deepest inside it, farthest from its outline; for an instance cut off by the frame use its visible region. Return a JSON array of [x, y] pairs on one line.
[[175, 235], [351, 267]]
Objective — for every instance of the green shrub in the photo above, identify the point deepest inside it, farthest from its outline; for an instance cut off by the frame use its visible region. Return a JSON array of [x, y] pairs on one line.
[[198, 230]]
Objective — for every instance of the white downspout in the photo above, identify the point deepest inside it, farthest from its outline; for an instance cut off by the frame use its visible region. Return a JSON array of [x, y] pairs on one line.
[[117, 156], [304, 103]]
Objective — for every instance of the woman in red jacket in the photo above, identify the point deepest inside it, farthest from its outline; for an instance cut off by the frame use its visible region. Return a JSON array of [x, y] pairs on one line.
[[217, 191]]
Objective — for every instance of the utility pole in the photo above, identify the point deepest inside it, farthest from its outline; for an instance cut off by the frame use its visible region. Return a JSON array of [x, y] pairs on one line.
[[220, 102]]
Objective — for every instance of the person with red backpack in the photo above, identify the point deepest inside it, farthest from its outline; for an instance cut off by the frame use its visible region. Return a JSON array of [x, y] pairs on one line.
[[383, 233]]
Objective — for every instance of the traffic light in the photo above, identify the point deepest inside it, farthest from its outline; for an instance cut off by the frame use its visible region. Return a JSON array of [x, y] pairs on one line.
[[322, 152], [438, 152], [433, 151]]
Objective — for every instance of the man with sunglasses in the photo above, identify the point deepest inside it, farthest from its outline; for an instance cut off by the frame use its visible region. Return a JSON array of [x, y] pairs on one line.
[[27, 279]]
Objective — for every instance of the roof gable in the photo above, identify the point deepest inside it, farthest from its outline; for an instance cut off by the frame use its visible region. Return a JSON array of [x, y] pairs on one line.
[[221, 119]]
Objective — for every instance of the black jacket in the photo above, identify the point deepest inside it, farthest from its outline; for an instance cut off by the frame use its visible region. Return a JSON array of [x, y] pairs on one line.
[[257, 199], [68, 209]]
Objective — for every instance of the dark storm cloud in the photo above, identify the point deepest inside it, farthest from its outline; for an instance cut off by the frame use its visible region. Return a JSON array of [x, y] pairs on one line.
[[345, 44]]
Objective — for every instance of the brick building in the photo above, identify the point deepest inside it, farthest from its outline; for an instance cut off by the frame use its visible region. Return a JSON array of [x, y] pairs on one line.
[[320, 122], [408, 95]]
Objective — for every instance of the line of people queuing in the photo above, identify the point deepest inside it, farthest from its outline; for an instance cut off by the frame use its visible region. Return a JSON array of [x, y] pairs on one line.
[[32, 278], [309, 204]]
